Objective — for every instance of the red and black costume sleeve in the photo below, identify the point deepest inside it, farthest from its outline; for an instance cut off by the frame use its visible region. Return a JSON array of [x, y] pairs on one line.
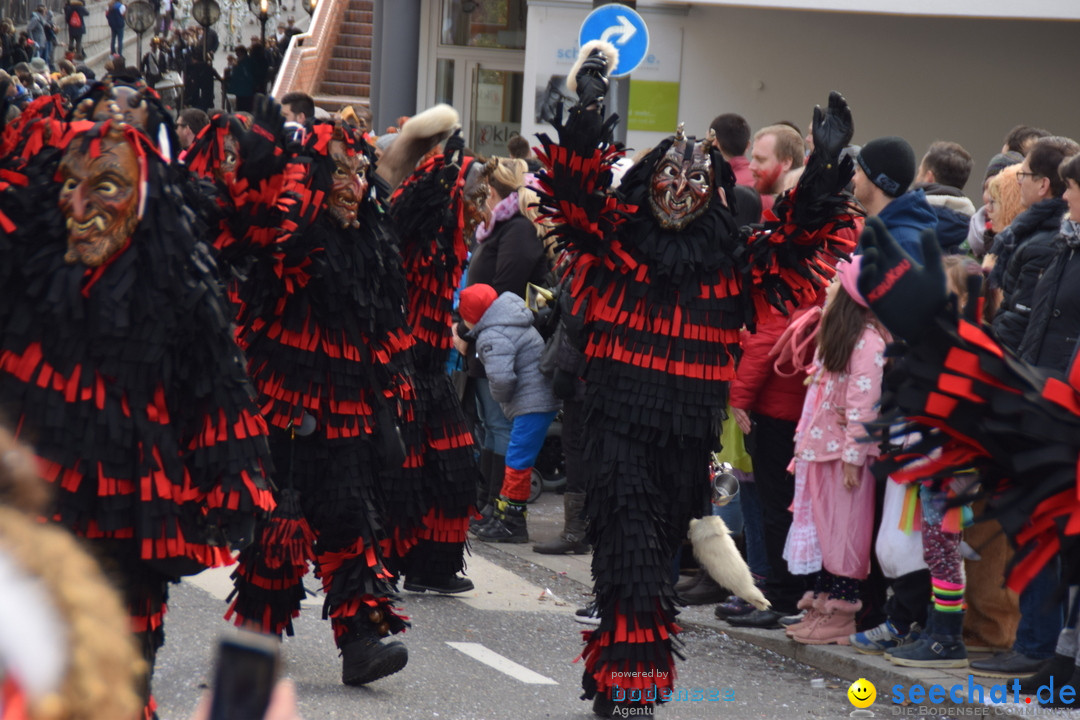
[[977, 405], [126, 378], [432, 502], [315, 335], [662, 311]]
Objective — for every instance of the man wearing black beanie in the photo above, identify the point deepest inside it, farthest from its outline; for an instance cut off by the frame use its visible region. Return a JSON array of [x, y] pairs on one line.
[[883, 174], [884, 170]]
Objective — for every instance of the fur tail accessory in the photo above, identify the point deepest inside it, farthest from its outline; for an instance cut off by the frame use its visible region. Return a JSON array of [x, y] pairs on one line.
[[716, 551]]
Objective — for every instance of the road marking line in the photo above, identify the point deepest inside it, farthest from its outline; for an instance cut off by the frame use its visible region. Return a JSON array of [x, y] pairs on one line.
[[504, 665]]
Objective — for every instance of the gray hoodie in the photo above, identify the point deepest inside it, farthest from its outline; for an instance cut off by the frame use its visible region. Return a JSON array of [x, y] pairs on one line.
[[509, 347]]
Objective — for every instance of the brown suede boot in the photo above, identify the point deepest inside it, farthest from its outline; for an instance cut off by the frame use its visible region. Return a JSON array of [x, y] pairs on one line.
[[836, 623], [810, 603]]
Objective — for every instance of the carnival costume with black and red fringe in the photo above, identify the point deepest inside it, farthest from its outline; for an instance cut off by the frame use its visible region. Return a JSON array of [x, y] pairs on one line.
[[662, 311], [126, 377], [319, 323], [431, 505], [974, 404]]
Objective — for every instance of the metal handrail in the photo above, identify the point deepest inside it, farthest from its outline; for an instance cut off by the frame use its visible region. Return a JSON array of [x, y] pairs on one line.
[[309, 53]]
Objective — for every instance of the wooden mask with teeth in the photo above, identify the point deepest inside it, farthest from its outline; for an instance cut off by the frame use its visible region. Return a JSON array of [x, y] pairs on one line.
[[682, 183], [101, 192]]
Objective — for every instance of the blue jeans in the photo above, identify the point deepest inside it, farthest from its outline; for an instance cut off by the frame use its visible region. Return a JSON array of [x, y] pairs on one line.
[[1041, 619], [743, 515], [496, 425], [527, 435], [116, 42]]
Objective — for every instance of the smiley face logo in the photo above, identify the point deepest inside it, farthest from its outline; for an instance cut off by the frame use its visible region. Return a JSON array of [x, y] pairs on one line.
[[862, 693]]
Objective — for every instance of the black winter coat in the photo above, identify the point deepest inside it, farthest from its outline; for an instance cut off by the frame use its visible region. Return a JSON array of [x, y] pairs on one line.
[[1054, 328], [1024, 249]]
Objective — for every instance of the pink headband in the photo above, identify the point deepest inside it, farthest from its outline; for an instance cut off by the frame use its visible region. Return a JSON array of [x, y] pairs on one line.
[[849, 276]]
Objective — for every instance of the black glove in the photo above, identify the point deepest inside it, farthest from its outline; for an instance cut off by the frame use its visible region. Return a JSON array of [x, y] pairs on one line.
[[267, 114], [452, 154], [564, 384], [261, 146], [592, 80], [904, 295], [832, 128]]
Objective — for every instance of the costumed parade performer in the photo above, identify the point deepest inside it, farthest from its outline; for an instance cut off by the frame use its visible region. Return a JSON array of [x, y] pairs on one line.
[[976, 405], [435, 210], [664, 279], [118, 360], [323, 323]]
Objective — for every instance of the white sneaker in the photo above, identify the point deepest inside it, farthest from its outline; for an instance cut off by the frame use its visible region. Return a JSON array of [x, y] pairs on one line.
[[790, 620], [588, 615]]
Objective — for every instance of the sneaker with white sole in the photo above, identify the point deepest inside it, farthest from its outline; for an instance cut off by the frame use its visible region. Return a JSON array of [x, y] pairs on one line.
[[790, 620], [885, 636], [588, 615]]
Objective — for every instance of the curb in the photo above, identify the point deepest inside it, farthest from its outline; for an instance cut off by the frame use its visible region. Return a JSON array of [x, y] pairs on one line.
[[545, 523]]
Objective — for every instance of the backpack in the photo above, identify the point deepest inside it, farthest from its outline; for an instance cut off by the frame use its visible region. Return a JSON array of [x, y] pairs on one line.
[[113, 13], [76, 19]]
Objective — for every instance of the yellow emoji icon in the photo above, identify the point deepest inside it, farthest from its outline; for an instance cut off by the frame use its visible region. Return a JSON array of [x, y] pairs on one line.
[[862, 693]]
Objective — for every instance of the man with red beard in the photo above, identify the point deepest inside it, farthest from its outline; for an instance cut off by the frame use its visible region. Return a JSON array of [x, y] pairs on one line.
[[776, 149]]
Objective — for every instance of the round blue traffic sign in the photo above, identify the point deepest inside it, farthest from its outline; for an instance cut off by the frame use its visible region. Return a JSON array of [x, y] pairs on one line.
[[622, 27]]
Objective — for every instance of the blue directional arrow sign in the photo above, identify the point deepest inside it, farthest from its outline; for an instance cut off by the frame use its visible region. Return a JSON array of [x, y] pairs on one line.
[[622, 27]]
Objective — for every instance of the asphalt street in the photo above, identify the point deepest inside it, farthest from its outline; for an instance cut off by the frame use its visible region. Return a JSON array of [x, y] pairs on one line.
[[519, 622]]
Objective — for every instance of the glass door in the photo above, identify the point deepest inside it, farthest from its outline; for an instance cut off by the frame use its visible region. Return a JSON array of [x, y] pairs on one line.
[[494, 111]]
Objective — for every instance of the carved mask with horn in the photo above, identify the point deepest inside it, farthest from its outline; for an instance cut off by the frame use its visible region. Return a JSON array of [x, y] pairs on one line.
[[682, 183]]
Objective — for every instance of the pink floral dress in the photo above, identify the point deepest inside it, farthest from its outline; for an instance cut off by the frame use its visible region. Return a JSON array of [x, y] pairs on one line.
[[831, 433]]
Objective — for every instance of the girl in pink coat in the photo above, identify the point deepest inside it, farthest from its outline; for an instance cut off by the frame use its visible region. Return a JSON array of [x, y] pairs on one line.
[[834, 486]]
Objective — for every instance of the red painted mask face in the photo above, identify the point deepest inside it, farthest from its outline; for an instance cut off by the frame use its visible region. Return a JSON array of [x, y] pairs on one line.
[[100, 200], [350, 184], [476, 193], [681, 186]]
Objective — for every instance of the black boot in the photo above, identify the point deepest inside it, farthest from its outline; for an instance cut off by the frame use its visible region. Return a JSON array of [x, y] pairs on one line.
[[496, 468], [1056, 701], [572, 538], [1057, 670], [435, 566], [941, 646], [507, 524], [365, 658]]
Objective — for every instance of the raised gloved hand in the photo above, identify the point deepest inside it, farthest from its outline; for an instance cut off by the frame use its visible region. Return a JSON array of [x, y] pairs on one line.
[[904, 295], [589, 76], [267, 116], [453, 151], [592, 80], [261, 149], [832, 128]]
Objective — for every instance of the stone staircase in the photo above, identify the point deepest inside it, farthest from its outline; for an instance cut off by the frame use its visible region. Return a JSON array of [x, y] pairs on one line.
[[347, 78], [332, 60]]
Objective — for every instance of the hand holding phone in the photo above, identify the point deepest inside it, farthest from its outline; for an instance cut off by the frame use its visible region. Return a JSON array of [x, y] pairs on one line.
[[247, 668]]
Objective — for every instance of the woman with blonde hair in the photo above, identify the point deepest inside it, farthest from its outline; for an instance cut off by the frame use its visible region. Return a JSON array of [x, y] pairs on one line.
[[508, 255]]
